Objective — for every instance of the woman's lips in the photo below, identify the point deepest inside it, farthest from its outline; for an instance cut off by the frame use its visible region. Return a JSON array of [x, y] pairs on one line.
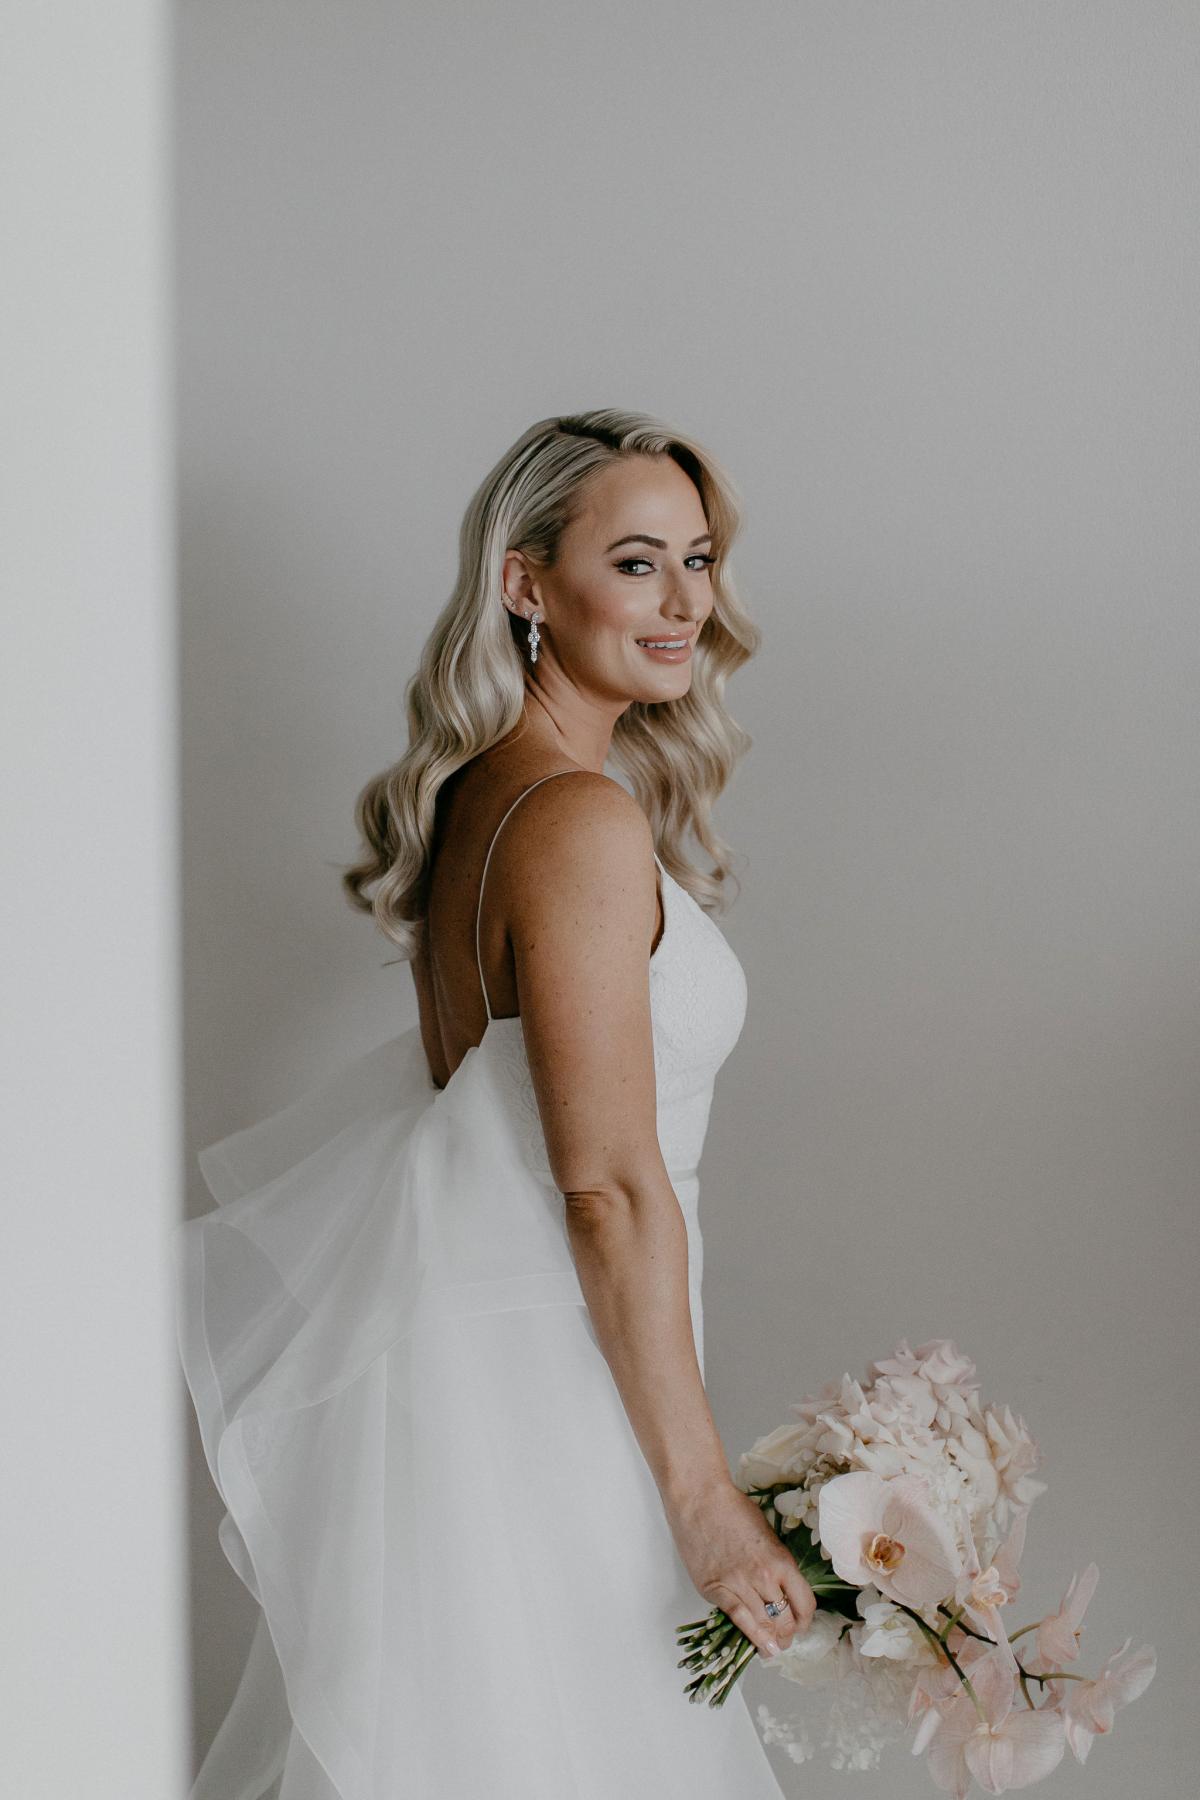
[[672, 656]]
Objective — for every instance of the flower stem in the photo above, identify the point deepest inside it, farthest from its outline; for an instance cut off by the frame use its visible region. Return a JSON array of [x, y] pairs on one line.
[[967, 1630], [946, 1651]]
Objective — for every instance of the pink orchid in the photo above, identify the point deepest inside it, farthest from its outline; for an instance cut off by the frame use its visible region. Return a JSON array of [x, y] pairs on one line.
[[1010, 1747], [1058, 1634], [1088, 1706], [982, 1592], [882, 1529], [933, 1687]]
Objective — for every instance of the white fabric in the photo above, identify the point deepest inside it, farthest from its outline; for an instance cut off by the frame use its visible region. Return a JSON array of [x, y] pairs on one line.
[[468, 1587]]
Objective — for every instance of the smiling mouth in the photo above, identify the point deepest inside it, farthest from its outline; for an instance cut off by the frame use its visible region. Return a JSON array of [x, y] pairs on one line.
[[678, 643]]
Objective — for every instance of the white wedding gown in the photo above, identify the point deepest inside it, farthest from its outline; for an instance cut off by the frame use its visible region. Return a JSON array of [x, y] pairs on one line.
[[468, 1588]]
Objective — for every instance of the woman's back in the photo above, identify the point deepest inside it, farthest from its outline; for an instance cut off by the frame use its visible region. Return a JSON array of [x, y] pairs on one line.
[[464, 969]]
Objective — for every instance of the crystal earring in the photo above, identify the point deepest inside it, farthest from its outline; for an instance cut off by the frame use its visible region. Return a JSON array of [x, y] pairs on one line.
[[533, 638]]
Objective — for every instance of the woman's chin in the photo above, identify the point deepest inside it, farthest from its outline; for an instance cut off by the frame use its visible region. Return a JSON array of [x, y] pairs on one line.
[[671, 685]]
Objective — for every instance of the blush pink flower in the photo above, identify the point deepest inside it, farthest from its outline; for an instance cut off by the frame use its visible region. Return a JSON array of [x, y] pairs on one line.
[[934, 1688], [1014, 1453], [939, 1362], [883, 1530], [1009, 1747], [1058, 1634], [1088, 1706], [982, 1592]]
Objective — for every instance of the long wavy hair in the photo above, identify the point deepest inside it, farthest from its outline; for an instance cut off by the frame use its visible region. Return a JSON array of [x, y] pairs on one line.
[[468, 690]]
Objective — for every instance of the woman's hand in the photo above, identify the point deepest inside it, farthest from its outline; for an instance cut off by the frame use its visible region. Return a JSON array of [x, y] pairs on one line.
[[738, 1563]]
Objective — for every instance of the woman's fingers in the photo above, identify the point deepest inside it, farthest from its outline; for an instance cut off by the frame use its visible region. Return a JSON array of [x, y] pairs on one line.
[[803, 1600], [800, 1604], [752, 1621]]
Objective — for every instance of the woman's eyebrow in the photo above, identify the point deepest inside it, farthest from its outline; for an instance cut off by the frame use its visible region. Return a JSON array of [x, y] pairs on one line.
[[659, 543]]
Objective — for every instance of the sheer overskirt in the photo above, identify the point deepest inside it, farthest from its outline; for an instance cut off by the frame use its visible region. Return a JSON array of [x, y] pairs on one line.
[[466, 1580]]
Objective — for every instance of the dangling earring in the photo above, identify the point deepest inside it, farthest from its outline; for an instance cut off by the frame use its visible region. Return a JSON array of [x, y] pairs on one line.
[[533, 638]]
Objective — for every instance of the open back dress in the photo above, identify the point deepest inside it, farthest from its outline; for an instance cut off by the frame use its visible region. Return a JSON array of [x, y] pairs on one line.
[[466, 1582]]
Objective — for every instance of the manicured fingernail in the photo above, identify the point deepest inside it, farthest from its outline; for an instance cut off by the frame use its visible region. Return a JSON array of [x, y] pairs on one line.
[[772, 1648]]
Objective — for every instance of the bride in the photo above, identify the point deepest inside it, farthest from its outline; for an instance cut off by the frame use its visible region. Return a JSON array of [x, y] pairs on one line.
[[444, 1329]]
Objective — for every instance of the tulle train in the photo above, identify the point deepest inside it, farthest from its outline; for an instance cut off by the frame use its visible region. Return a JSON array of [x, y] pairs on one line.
[[467, 1584]]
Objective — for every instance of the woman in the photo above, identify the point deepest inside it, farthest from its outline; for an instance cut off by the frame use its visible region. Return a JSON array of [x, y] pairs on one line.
[[444, 1330]]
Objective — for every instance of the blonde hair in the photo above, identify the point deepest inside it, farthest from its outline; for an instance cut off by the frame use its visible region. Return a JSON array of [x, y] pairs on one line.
[[468, 690]]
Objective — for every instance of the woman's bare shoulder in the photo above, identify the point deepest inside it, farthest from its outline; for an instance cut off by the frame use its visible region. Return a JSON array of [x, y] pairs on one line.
[[586, 817]]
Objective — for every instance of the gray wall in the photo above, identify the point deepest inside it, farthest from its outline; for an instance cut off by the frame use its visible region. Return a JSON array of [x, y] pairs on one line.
[[925, 277]]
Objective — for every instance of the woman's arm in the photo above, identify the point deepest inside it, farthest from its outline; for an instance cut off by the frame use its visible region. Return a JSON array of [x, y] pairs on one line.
[[577, 882]]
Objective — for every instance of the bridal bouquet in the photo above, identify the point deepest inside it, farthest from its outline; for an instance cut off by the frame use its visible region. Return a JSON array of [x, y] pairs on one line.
[[904, 1502]]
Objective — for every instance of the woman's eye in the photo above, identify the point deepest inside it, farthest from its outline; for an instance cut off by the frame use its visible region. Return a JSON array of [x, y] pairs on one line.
[[644, 561]]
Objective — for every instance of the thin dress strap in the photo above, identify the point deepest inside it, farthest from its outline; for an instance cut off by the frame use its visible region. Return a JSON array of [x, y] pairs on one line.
[[487, 859]]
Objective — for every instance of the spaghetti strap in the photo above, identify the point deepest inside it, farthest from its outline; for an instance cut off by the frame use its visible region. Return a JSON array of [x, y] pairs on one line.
[[487, 859]]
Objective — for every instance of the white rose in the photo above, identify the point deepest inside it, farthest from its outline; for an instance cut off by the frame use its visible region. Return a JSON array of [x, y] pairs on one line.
[[773, 1457]]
